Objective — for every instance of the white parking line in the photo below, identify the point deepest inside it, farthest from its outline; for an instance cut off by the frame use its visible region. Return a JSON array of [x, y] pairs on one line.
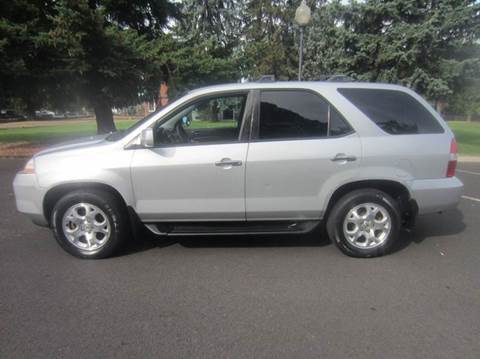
[[469, 172], [471, 198]]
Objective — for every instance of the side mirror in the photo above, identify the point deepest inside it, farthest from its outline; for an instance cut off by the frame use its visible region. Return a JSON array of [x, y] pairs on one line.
[[146, 139]]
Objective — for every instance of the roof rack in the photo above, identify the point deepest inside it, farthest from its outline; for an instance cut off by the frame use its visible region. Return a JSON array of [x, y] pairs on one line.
[[339, 78], [266, 78]]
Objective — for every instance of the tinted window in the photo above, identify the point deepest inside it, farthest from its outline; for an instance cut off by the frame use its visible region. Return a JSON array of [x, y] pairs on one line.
[[296, 114], [338, 125], [395, 112]]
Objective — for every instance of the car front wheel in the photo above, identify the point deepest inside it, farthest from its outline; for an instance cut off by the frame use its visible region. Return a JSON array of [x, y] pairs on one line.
[[90, 223], [364, 223]]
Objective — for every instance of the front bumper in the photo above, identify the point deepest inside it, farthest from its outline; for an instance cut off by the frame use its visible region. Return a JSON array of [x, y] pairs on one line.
[[29, 197], [436, 195]]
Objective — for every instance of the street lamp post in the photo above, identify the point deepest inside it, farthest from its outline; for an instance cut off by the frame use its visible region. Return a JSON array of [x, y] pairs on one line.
[[303, 16]]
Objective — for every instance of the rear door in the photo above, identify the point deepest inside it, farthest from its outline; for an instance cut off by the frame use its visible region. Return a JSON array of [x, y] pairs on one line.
[[299, 144]]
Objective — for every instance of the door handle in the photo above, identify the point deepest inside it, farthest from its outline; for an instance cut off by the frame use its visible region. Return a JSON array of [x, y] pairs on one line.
[[342, 157], [227, 162]]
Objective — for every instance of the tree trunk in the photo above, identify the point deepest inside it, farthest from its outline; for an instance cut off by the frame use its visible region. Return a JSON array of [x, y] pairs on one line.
[[31, 106], [104, 116], [215, 111]]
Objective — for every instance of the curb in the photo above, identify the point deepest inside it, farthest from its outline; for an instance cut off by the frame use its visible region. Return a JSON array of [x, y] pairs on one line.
[[469, 159]]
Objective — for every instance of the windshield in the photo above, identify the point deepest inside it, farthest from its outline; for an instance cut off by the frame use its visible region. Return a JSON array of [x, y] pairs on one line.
[[115, 136], [119, 134]]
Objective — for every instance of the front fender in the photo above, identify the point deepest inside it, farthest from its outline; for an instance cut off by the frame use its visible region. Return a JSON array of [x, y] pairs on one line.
[[109, 167]]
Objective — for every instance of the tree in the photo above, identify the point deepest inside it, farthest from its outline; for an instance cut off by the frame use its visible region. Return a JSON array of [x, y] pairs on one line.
[[422, 45], [55, 51], [202, 46], [117, 52], [188, 64], [103, 48], [218, 20], [24, 62], [269, 39], [270, 44]]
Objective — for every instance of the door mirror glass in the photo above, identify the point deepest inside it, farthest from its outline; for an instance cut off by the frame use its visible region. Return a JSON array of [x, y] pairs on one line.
[[186, 121], [147, 138]]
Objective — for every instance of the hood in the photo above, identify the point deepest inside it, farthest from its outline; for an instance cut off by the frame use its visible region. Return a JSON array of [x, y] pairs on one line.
[[81, 143]]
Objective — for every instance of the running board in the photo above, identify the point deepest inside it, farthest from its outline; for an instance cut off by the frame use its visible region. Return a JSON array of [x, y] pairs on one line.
[[224, 228]]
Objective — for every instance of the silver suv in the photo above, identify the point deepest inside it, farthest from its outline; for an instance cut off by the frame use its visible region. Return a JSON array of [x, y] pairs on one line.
[[280, 157]]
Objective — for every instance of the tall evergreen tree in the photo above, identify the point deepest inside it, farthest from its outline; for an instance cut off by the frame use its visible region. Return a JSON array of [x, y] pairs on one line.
[[218, 20], [185, 64], [24, 60], [116, 52], [204, 43], [270, 39], [98, 49], [105, 49], [427, 45]]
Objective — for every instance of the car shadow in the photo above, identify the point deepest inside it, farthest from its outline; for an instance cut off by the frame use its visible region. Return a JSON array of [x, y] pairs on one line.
[[427, 226], [145, 240], [448, 223]]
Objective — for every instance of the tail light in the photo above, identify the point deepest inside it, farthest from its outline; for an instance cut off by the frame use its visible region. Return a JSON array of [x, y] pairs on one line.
[[452, 163]]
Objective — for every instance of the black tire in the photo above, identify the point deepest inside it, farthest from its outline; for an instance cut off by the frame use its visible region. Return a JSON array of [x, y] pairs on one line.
[[340, 210], [115, 213]]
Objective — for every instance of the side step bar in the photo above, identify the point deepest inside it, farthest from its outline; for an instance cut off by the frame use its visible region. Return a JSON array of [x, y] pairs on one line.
[[224, 228]]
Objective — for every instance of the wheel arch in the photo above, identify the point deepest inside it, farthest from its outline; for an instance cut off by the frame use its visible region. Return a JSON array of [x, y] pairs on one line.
[[57, 192], [395, 189]]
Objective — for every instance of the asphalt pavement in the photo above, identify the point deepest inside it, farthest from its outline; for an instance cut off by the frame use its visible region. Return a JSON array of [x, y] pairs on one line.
[[243, 297]]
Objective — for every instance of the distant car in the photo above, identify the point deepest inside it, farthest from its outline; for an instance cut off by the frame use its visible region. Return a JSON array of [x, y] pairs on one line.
[[69, 114], [44, 114], [363, 158], [74, 114], [11, 115]]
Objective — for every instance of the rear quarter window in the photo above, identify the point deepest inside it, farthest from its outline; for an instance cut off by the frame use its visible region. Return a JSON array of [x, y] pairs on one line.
[[395, 112]]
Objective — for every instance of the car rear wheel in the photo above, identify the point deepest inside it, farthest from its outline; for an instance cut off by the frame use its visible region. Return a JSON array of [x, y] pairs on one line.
[[90, 223], [364, 223]]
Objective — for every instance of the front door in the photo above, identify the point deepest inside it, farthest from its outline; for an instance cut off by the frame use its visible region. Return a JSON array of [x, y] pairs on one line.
[[196, 171]]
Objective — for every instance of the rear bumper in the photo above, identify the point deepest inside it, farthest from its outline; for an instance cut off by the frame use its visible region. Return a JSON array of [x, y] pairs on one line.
[[29, 198], [436, 195]]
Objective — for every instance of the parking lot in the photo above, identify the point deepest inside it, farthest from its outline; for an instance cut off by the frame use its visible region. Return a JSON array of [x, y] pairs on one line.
[[239, 297]]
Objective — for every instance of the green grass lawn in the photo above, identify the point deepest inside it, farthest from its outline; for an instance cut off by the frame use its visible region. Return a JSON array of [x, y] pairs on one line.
[[467, 133], [211, 124], [468, 137], [55, 133]]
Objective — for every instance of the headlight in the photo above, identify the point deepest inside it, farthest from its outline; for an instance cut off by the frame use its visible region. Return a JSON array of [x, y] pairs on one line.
[[29, 167]]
